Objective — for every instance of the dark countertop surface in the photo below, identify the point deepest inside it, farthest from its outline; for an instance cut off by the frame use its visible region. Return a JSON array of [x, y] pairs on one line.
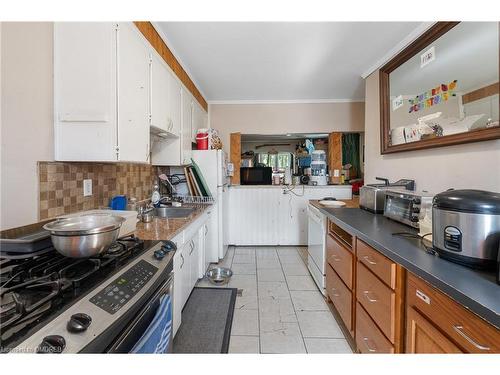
[[475, 290]]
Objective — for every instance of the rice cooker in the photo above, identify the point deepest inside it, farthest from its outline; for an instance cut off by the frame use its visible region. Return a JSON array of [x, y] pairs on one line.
[[466, 227]]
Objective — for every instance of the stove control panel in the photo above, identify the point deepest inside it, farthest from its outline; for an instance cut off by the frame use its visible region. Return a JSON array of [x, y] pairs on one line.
[[120, 291]]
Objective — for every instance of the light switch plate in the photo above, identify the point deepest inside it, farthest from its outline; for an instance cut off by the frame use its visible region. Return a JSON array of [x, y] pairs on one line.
[[87, 187], [428, 57]]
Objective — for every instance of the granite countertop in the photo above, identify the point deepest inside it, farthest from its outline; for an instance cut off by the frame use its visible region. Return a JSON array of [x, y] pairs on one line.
[[475, 290], [166, 229]]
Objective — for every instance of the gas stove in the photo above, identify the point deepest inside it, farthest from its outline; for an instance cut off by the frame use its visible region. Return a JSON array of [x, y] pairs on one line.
[[48, 299]]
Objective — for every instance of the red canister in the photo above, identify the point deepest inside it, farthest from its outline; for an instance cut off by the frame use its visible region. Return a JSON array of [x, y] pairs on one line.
[[202, 139]]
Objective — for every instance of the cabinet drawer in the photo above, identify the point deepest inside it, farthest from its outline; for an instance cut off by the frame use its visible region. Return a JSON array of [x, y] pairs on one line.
[[369, 339], [380, 265], [340, 259], [340, 234], [468, 331], [377, 299], [341, 296]]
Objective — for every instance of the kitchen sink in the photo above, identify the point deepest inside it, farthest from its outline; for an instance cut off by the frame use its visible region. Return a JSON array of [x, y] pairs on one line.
[[174, 212]]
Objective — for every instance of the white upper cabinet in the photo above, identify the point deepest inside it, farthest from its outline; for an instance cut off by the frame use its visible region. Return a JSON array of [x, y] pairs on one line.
[[168, 150], [197, 120], [85, 91], [187, 126], [174, 100], [133, 95], [111, 90], [101, 92], [200, 119], [160, 79]]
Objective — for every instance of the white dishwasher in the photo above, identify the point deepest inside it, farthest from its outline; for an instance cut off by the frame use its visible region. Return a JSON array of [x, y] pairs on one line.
[[316, 241]]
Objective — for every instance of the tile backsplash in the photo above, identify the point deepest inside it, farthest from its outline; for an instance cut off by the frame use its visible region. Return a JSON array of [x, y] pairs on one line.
[[61, 185]]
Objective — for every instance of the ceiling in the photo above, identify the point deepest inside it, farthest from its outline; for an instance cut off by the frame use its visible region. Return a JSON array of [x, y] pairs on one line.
[[281, 60], [281, 137]]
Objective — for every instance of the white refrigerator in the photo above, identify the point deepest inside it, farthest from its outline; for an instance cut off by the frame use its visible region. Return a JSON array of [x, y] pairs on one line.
[[213, 166]]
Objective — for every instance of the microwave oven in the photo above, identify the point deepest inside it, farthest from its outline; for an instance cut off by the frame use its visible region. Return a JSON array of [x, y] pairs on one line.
[[256, 175]]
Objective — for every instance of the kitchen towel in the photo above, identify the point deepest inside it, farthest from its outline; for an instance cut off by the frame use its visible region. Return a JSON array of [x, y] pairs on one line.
[[158, 336]]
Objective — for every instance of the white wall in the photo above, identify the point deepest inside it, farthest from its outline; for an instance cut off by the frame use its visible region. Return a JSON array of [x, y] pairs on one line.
[[282, 118], [473, 165], [26, 117]]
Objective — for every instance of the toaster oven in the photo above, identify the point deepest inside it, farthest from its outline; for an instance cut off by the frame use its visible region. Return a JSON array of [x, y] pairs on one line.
[[406, 206], [372, 196]]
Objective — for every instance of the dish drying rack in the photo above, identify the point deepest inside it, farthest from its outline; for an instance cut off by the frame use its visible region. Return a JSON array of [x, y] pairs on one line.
[[191, 199]]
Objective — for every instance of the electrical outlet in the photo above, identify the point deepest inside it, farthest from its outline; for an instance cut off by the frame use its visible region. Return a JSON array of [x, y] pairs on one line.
[[87, 187]]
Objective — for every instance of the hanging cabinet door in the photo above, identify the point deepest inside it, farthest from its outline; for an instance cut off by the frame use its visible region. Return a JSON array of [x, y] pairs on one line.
[[174, 106], [85, 91], [187, 123], [178, 288], [423, 338], [133, 95], [194, 261], [160, 116]]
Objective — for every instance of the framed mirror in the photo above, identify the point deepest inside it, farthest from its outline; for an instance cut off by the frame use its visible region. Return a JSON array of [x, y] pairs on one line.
[[443, 89]]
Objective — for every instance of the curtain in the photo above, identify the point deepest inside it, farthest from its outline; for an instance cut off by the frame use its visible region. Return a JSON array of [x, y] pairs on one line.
[[350, 153]]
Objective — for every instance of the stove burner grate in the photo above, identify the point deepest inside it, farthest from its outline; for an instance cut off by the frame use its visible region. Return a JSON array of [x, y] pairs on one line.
[[30, 289]]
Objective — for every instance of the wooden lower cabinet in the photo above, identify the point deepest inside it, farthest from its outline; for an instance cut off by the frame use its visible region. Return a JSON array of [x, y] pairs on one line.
[[340, 296], [461, 327], [377, 299], [369, 338], [339, 257], [423, 338], [389, 310]]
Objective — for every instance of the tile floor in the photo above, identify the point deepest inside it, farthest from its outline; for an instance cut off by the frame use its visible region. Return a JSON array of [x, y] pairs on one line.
[[280, 309]]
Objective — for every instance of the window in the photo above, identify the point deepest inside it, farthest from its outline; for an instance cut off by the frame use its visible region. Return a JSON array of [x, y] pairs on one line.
[[279, 161]]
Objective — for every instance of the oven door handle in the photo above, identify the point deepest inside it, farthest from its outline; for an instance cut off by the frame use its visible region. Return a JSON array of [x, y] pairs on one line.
[[165, 288]]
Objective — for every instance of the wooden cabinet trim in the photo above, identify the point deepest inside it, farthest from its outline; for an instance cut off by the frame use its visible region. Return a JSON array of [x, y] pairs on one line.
[[334, 155], [481, 93], [235, 156], [154, 38]]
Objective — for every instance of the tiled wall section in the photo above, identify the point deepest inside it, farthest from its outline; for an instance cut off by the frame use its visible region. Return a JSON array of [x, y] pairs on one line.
[[61, 185]]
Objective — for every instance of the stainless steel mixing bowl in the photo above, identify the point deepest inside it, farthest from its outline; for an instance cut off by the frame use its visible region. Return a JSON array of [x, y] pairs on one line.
[[219, 275], [84, 236]]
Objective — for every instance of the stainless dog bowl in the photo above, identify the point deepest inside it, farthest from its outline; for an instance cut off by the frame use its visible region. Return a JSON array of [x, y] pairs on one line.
[[219, 275], [84, 236]]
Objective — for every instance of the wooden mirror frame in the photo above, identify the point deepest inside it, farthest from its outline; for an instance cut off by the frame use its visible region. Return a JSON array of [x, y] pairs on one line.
[[432, 34]]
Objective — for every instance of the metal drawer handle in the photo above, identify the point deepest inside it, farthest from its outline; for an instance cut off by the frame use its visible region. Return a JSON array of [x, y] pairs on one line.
[[335, 294], [206, 230], [365, 293], [182, 264], [367, 258], [459, 329], [370, 348], [335, 258], [191, 244]]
